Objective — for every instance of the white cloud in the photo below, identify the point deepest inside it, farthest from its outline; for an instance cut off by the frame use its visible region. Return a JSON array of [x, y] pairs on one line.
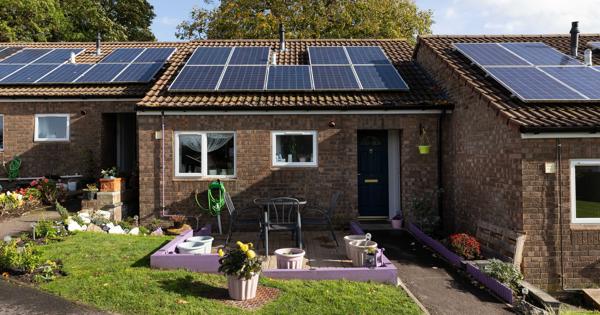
[[169, 21]]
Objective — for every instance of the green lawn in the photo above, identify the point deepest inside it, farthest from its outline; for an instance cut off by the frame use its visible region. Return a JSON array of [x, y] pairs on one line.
[[588, 209], [112, 272]]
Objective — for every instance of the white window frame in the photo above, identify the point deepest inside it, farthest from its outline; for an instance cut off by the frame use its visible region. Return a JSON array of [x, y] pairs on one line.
[[37, 123], [204, 158], [573, 164], [315, 144], [3, 122]]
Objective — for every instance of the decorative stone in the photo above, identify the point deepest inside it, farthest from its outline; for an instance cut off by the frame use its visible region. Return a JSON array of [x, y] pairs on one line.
[[85, 217], [103, 214], [73, 226], [94, 228], [116, 230], [135, 231], [157, 232], [108, 198]]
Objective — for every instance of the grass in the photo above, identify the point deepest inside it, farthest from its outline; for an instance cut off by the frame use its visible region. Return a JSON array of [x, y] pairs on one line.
[[112, 273], [588, 209]]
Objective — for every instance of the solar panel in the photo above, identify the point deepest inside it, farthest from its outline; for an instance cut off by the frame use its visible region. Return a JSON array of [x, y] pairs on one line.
[[243, 78], [289, 78], [540, 54], [28, 74], [59, 55], [531, 84], [26, 56], [197, 78], [367, 55], [327, 56], [6, 70], [380, 77], [489, 54], [139, 72], [66, 73], [250, 56], [334, 78], [122, 55], [210, 56], [155, 55], [583, 79], [101, 73], [9, 51]]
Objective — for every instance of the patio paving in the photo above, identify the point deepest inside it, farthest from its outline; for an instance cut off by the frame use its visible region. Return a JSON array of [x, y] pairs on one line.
[[434, 282], [16, 225]]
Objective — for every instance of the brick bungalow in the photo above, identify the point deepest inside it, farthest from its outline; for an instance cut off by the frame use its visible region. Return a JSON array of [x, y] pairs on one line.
[[496, 149]]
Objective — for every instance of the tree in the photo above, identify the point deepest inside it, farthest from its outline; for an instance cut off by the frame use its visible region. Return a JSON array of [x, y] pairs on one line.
[[307, 19], [75, 20]]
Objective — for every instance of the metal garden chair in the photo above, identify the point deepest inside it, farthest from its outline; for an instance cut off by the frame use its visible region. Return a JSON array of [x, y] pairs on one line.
[[234, 217], [282, 214], [323, 216]]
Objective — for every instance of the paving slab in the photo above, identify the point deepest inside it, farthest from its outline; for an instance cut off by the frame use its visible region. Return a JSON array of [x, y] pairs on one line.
[[436, 284], [14, 226]]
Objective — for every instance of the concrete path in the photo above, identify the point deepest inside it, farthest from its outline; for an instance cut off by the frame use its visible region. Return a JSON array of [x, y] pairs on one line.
[[16, 225], [17, 300], [434, 283]]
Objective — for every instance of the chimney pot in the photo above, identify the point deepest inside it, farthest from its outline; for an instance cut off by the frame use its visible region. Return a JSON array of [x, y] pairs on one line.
[[281, 37], [587, 54], [98, 44], [574, 38]]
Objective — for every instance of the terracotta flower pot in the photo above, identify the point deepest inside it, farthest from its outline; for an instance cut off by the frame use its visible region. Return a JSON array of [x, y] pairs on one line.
[[110, 184], [290, 258], [242, 289]]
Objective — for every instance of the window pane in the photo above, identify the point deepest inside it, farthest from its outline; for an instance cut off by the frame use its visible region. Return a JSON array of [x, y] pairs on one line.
[[190, 154], [2, 132], [294, 148], [220, 156], [587, 194], [52, 127]]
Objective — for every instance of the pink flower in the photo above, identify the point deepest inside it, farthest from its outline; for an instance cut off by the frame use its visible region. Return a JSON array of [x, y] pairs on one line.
[[45, 180], [33, 183]]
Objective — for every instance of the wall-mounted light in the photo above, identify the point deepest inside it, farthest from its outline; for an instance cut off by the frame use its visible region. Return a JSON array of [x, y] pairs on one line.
[[83, 112], [331, 124]]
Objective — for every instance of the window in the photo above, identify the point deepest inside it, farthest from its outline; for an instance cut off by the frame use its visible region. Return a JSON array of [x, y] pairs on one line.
[[585, 191], [1, 132], [294, 148], [51, 127], [204, 154]]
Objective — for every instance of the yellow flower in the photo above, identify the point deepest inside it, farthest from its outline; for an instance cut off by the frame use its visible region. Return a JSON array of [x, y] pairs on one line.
[[5, 275], [221, 253], [250, 254], [239, 244], [244, 248], [250, 245]]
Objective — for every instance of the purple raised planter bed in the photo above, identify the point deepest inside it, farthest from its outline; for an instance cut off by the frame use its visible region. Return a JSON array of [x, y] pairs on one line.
[[449, 255], [499, 288], [167, 258]]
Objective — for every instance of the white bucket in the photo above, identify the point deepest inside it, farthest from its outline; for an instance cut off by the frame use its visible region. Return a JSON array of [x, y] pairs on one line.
[[72, 185], [290, 258], [358, 249], [350, 238], [206, 240], [191, 248]]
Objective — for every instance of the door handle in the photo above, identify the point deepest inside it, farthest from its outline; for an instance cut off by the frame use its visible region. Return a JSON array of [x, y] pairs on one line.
[[371, 181]]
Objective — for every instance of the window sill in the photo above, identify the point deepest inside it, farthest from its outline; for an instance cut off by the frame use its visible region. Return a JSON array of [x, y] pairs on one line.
[[585, 226], [294, 167], [51, 141], [204, 179]]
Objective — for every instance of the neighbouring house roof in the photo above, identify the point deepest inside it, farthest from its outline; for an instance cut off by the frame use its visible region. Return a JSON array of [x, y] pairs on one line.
[[423, 92], [135, 91], [527, 116]]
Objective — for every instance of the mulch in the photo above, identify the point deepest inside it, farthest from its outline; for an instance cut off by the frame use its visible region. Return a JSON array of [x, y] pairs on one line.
[[264, 295]]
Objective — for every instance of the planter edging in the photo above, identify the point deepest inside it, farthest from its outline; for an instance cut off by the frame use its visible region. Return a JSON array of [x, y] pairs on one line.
[[500, 289], [438, 247]]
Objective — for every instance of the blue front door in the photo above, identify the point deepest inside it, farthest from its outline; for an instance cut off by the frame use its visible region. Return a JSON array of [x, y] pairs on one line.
[[372, 173]]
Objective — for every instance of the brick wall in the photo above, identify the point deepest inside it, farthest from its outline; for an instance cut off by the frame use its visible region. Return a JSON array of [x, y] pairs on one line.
[[44, 158], [257, 178]]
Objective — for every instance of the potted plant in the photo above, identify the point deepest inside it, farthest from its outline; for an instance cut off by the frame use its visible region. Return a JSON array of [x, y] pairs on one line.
[[290, 258], [242, 268], [91, 190], [424, 145], [178, 221], [465, 245], [109, 181], [397, 221]]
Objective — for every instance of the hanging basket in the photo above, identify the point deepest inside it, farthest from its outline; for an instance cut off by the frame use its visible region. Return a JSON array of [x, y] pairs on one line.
[[424, 145], [424, 149]]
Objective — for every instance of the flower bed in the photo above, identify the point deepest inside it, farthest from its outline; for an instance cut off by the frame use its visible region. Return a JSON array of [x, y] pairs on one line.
[[438, 247], [500, 289]]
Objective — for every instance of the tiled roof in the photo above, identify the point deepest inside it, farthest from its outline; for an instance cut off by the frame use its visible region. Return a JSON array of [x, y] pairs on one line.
[[423, 93], [528, 116], [82, 90]]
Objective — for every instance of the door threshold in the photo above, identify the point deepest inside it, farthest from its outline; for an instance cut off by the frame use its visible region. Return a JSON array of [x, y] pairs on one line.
[[372, 218]]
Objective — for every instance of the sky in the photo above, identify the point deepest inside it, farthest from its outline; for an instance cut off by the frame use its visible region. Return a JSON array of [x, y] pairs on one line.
[[450, 16]]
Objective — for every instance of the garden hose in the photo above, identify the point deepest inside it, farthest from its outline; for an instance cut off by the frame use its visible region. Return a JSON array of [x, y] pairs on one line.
[[13, 168], [214, 204]]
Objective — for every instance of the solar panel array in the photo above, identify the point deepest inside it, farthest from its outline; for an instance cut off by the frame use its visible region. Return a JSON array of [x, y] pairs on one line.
[[535, 72], [51, 66], [248, 69]]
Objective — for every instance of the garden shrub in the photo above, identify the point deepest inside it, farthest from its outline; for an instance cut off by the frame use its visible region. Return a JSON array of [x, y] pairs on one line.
[[50, 192], [504, 272], [465, 245], [46, 229], [13, 257], [64, 213]]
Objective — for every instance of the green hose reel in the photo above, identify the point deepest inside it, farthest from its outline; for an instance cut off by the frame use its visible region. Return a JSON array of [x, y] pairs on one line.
[[215, 204], [12, 169]]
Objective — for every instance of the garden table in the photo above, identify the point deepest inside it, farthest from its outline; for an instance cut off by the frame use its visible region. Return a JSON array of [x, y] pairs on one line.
[[264, 204]]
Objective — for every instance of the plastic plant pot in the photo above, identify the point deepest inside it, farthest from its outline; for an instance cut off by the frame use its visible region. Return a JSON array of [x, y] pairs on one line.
[[358, 251], [242, 289], [191, 248], [350, 238], [424, 149], [397, 224], [290, 258], [206, 240]]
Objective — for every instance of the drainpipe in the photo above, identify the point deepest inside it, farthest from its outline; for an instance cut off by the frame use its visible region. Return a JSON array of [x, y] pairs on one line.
[[162, 162], [560, 227], [440, 183]]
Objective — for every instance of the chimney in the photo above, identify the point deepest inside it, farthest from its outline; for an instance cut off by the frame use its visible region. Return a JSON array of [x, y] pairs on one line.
[[587, 57], [574, 38], [98, 44], [72, 58], [281, 37]]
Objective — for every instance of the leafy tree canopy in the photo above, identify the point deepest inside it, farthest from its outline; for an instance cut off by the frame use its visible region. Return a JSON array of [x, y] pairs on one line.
[[75, 20], [233, 19]]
